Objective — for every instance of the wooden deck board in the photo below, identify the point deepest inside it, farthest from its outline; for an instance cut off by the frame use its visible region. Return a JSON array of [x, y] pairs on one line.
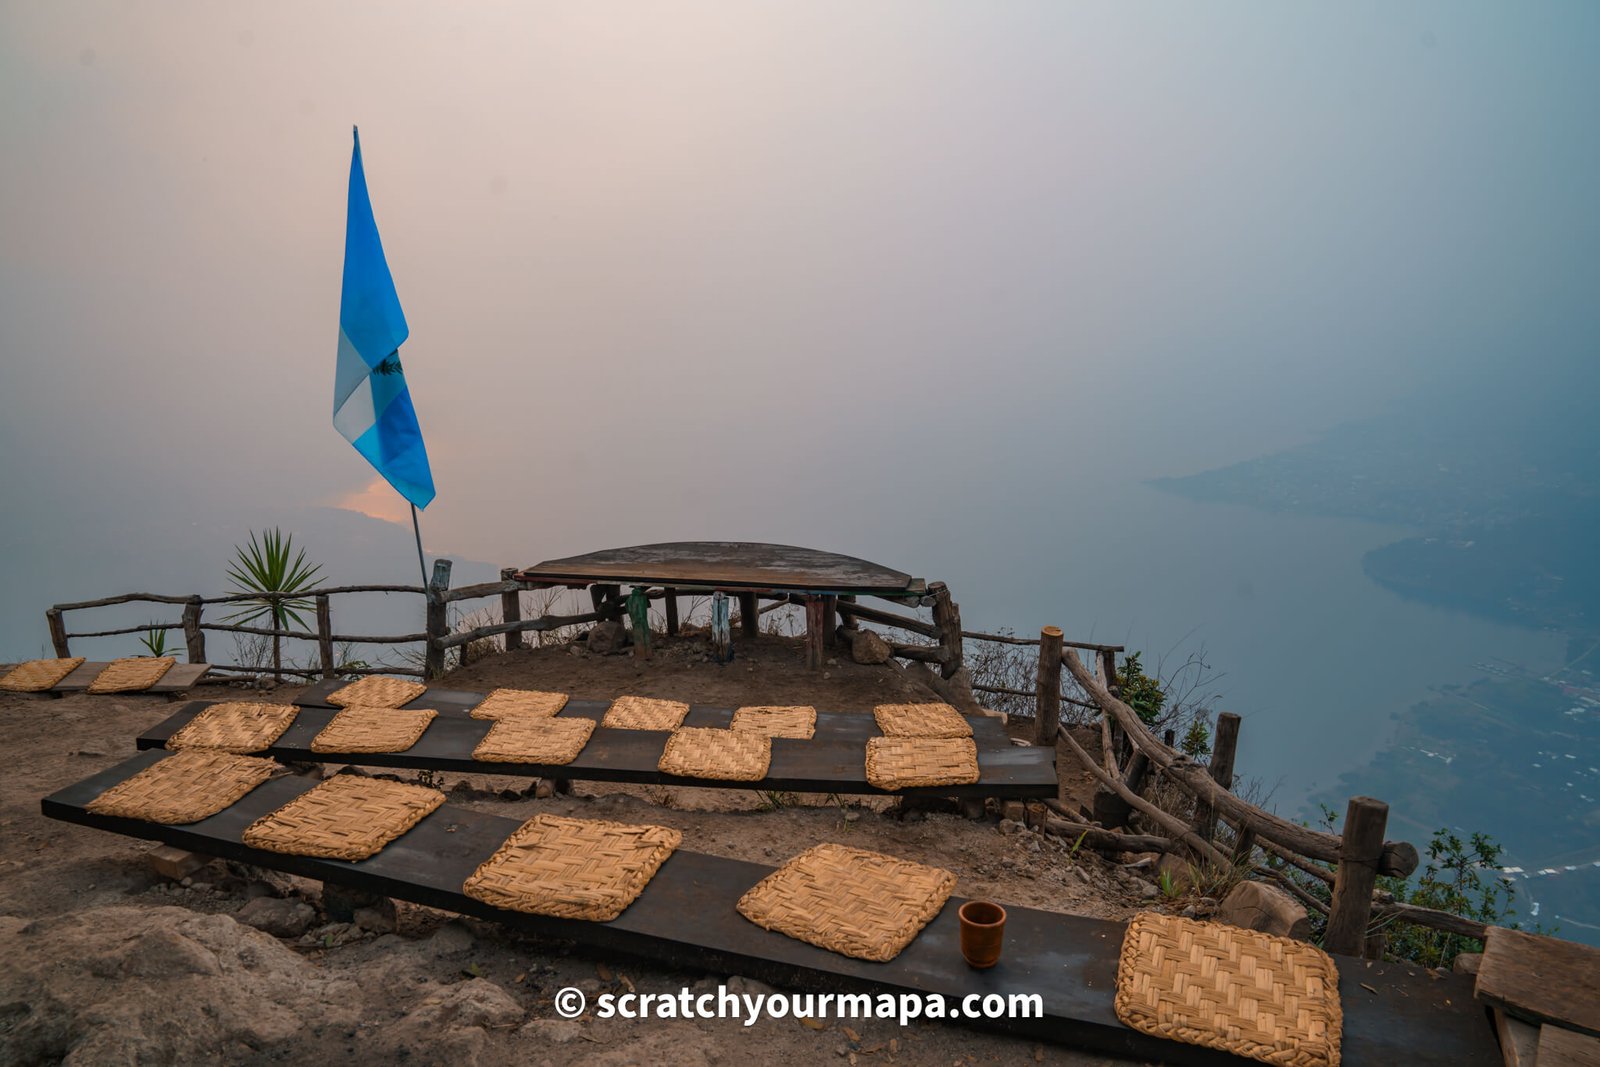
[[835, 763], [831, 725], [179, 678], [686, 919], [1541, 979]]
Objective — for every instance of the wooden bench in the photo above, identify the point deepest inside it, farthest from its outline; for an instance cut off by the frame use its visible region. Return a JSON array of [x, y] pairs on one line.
[[686, 918], [833, 761]]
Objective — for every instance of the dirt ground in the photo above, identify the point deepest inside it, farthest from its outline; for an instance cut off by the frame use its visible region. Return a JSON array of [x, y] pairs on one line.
[[110, 962]]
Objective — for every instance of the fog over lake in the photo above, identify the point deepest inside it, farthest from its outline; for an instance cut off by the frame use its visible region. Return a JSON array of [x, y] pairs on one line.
[[940, 285]]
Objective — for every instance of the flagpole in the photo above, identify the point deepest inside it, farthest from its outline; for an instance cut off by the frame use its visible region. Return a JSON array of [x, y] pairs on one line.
[[418, 531]]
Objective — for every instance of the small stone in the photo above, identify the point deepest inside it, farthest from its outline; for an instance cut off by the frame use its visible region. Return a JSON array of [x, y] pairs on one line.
[[1011, 826], [376, 919], [93, 750], [740, 985], [1146, 890], [852, 816], [277, 916]]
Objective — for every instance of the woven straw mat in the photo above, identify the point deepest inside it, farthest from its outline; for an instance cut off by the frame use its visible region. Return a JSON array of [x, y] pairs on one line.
[[796, 722], [909, 762], [38, 675], [644, 713], [522, 739], [235, 727], [734, 755], [359, 728], [377, 692], [921, 720], [348, 817], [1270, 998], [519, 702], [572, 868], [184, 787], [132, 674], [854, 902]]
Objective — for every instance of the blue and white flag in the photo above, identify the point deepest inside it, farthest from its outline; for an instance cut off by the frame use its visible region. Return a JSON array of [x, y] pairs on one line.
[[371, 404]]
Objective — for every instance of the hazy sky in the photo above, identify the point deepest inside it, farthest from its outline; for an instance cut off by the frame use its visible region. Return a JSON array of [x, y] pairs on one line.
[[810, 272]]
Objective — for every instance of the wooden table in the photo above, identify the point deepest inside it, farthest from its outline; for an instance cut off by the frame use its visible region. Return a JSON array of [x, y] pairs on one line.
[[745, 568], [833, 761], [686, 918]]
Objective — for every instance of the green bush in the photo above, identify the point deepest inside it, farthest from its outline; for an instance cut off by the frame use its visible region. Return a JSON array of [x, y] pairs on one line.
[[1140, 692]]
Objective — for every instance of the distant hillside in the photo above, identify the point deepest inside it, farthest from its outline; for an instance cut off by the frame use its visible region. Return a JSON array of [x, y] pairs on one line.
[[1505, 489]]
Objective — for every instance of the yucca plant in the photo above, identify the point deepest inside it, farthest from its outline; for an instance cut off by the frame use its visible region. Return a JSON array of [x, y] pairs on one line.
[[155, 640], [270, 567]]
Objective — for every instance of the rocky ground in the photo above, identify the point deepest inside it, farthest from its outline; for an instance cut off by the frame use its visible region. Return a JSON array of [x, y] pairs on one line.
[[110, 962]]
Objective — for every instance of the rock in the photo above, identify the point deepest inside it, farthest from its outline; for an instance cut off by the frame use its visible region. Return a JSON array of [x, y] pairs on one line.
[[451, 938], [377, 918], [608, 637], [867, 647], [475, 1002], [1467, 963], [159, 985], [740, 985], [1258, 906], [94, 749], [1011, 826], [340, 903], [1013, 810], [1146, 890], [555, 1031], [278, 916], [1142, 861]]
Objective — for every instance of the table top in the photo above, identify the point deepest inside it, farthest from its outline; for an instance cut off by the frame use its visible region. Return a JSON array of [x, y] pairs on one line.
[[729, 565]]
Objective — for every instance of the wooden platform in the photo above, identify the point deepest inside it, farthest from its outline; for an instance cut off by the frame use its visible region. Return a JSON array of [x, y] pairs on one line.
[[834, 761], [180, 678], [731, 566], [1393, 1014], [1541, 979]]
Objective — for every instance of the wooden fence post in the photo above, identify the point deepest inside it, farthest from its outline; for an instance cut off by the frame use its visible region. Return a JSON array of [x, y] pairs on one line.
[[325, 634], [749, 614], [1359, 854], [58, 632], [830, 621], [947, 618], [670, 602], [438, 626], [511, 609], [1047, 716], [194, 638], [1221, 768]]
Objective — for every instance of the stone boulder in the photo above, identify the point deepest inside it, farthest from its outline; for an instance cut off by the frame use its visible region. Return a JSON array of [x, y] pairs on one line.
[[161, 985], [867, 647], [1263, 907], [607, 638], [280, 917]]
